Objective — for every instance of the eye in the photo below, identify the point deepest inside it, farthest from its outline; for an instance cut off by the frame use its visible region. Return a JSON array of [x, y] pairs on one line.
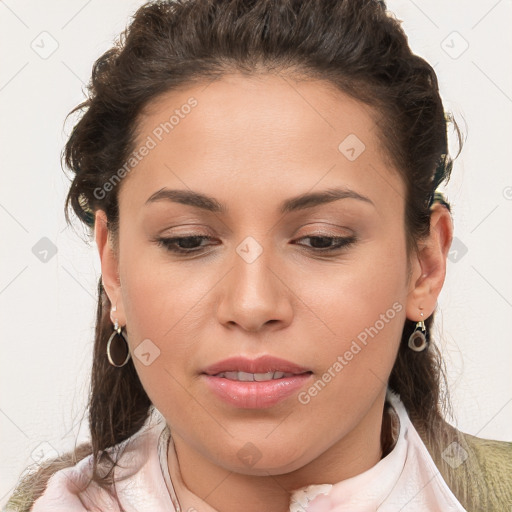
[[183, 244], [324, 243]]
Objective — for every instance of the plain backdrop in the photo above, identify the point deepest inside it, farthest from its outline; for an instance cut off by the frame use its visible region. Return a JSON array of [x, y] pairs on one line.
[[49, 272]]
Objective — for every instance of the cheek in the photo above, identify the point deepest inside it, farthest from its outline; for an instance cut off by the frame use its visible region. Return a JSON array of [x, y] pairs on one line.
[[159, 294], [160, 304], [361, 305], [360, 288]]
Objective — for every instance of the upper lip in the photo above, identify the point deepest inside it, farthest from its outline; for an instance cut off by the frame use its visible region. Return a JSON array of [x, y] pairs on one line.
[[263, 364]]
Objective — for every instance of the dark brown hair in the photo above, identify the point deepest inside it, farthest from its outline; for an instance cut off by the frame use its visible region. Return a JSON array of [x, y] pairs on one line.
[[355, 45]]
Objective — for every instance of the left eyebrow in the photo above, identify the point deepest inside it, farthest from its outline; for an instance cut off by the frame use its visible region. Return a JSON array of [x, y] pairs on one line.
[[301, 202], [312, 199]]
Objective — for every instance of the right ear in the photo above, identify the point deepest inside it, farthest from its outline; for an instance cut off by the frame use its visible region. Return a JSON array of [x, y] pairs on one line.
[[109, 265]]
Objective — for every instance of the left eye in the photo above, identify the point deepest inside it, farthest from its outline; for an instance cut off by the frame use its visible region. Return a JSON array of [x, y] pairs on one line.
[[191, 244]]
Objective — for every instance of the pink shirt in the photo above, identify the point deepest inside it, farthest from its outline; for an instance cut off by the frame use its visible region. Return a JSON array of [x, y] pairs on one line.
[[406, 479]]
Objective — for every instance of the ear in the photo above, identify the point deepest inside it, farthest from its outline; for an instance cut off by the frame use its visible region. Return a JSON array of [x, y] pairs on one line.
[[109, 266], [428, 265]]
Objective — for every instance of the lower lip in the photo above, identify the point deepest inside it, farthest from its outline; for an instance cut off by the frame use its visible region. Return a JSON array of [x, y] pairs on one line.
[[255, 395]]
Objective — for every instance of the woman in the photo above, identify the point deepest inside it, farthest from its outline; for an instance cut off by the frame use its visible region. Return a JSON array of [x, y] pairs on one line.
[[261, 181]]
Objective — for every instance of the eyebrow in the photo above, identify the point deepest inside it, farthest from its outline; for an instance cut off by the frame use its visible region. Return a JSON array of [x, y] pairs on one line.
[[301, 202]]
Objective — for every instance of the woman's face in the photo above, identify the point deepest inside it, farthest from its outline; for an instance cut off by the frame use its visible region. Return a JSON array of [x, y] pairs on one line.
[[257, 283]]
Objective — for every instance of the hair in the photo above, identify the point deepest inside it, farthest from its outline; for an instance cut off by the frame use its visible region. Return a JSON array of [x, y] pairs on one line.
[[354, 45]]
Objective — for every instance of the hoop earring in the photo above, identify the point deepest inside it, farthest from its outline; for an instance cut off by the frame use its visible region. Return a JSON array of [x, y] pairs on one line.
[[118, 351], [418, 339]]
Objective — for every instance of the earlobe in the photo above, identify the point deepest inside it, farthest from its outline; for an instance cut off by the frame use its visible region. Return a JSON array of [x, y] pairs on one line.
[[430, 264]]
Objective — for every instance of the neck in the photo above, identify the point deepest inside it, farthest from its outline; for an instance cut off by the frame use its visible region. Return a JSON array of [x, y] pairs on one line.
[[225, 491]]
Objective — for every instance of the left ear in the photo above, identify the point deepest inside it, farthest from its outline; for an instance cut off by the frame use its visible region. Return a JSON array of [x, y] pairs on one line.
[[428, 265]]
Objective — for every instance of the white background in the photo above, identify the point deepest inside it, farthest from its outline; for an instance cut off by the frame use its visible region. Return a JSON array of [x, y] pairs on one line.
[[47, 308]]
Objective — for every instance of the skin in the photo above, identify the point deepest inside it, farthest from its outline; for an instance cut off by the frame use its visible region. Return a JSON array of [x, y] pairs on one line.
[[253, 142]]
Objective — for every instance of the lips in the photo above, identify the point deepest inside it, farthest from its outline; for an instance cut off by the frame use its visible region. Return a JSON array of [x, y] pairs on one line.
[[255, 383], [261, 365]]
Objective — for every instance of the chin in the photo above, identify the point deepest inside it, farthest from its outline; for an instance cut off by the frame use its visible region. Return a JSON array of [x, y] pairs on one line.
[[270, 459]]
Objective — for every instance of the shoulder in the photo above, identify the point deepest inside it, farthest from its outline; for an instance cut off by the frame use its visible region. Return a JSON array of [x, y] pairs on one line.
[[57, 486], [494, 461], [34, 480], [67, 483], [478, 470]]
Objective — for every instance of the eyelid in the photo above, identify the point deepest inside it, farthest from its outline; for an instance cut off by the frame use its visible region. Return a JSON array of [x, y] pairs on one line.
[[325, 227]]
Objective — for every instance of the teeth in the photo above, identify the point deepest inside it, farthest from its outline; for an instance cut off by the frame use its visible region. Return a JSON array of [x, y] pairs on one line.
[[251, 377], [264, 376], [245, 377]]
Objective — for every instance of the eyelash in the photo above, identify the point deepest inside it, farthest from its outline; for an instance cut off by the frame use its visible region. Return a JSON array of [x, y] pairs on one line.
[[169, 243]]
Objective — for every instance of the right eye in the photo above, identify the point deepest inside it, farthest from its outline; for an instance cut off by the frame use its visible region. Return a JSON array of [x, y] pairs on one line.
[[183, 244]]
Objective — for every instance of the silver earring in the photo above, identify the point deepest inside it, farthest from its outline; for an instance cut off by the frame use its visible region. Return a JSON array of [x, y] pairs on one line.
[[119, 348], [418, 339]]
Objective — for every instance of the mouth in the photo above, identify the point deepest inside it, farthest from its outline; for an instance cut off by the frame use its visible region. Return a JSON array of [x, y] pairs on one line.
[[255, 383], [255, 377]]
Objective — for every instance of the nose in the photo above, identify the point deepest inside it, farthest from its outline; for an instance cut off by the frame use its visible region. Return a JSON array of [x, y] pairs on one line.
[[254, 295]]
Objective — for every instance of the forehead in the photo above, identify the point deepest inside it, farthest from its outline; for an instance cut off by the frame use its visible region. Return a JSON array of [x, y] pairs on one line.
[[265, 133]]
